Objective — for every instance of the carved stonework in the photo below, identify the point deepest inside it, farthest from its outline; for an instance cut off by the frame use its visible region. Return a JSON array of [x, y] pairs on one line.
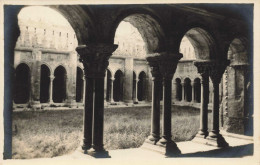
[[216, 70], [95, 58], [154, 65]]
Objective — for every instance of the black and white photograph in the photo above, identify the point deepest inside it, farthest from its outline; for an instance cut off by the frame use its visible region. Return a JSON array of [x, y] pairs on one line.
[[149, 82]]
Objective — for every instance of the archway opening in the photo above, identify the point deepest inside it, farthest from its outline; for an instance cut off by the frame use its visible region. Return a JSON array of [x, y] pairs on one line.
[[187, 90], [202, 43], [141, 91], [197, 90], [109, 83], [59, 85], [134, 94], [118, 86], [45, 84], [79, 85], [178, 89], [22, 84]]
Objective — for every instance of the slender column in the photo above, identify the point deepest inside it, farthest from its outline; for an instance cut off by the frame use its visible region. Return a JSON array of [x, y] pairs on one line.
[[155, 114], [94, 70], [136, 90], [215, 110], [105, 88], [112, 90], [183, 91], [51, 89], [167, 66], [84, 89], [216, 71], [192, 92]]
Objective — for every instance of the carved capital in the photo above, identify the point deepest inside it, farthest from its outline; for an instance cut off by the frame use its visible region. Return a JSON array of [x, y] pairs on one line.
[[217, 69], [95, 58], [168, 64], [153, 62]]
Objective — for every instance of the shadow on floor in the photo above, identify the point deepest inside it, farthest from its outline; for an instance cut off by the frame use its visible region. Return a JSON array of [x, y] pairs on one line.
[[230, 152]]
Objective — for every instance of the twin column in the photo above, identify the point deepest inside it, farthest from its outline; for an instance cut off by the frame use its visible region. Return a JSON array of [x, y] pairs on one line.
[[95, 60], [214, 70], [163, 67]]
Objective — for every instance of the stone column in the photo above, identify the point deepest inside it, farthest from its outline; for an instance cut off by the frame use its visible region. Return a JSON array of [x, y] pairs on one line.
[[155, 114], [167, 65], [183, 91], [95, 60], [112, 90], [203, 71], [136, 90], [216, 70], [128, 80], [192, 92], [84, 89], [71, 80], [51, 89], [105, 88], [35, 79]]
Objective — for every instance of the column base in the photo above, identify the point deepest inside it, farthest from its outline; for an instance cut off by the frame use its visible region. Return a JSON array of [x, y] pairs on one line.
[[217, 140], [86, 146], [169, 149], [97, 153], [152, 140], [200, 137], [36, 105]]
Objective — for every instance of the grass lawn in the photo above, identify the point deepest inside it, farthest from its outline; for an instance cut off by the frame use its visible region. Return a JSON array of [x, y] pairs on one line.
[[54, 133]]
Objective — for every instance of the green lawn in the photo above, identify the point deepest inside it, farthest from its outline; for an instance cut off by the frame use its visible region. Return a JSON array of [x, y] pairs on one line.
[[54, 133]]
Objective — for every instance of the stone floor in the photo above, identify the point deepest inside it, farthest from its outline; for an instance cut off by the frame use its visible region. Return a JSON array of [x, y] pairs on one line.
[[240, 147]]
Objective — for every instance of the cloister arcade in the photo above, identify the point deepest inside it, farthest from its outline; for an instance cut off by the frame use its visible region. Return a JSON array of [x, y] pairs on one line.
[[219, 51]]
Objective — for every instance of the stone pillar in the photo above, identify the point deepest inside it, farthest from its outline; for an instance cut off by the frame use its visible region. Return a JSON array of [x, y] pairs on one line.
[[105, 88], [167, 65], [136, 90], [51, 89], [183, 91], [203, 71], [95, 60], [155, 114], [71, 80], [128, 80], [192, 92], [163, 67], [216, 70], [84, 89], [112, 90], [35, 79]]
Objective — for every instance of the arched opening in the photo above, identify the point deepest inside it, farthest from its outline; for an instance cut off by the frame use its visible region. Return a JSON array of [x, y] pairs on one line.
[[59, 85], [79, 85], [178, 89], [118, 86], [141, 92], [22, 84], [197, 44], [197, 90], [109, 81], [239, 88], [45, 84], [187, 90]]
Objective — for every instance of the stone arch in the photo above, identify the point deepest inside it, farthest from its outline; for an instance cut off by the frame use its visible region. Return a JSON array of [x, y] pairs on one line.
[[202, 41], [45, 84], [238, 52], [197, 90], [187, 90], [141, 91], [59, 84], [80, 21], [22, 84], [109, 81], [148, 25], [79, 85], [178, 89], [118, 86]]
